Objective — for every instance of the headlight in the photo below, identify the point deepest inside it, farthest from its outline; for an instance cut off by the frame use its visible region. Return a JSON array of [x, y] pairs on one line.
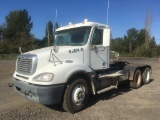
[[44, 77]]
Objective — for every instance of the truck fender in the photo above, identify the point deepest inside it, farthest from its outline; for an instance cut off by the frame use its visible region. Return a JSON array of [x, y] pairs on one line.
[[86, 75], [131, 68]]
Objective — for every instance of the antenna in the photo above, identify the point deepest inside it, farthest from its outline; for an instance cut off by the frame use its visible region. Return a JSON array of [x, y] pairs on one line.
[[107, 11], [56, 16]]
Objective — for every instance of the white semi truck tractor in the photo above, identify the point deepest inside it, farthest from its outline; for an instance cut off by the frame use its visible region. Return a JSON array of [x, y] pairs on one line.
[[75, 67]]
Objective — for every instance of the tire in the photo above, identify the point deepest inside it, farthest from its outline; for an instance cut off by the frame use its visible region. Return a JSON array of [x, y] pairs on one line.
[[137, 79], [76, 96], [146, 76]]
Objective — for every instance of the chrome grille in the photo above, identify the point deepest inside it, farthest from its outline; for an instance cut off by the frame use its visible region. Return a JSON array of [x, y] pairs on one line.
[[26, 64]]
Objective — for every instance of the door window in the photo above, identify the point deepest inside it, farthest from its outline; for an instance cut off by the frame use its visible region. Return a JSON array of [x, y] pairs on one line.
[[97, 37]]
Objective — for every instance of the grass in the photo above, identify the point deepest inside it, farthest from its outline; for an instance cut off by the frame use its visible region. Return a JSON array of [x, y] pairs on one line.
[[8, 56]]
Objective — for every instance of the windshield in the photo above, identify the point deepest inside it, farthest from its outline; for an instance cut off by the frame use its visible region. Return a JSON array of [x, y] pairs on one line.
[[72, 37]]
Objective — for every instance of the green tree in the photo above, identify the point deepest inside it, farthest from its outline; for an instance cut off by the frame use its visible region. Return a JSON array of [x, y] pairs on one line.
[[158, 50], [2, 27], [117, 45], [1, 32], [132, 35], [141, 37], [18, 23], [48, 40], [56, 26], [43, 42], [134, 44], [49, 33], [16, 32], [153, 49]]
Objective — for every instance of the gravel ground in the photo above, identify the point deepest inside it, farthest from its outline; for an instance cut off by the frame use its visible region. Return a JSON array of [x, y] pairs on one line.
[[120, 104]]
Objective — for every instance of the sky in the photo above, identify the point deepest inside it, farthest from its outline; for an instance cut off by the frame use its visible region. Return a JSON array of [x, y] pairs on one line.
[[122, 14]]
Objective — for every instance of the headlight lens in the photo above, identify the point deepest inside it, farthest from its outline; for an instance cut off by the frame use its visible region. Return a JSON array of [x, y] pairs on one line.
[[44, 77]]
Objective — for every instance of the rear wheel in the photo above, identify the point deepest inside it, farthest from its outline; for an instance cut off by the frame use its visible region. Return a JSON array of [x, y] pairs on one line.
[[146, 76], [137, 79], [76, 96]]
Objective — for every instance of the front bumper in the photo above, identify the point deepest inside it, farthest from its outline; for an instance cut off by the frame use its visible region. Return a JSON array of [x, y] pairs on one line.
[[46, 95]]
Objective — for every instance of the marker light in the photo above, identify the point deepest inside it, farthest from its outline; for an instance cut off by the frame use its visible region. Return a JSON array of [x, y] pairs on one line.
[[85, 20], [70, 23]]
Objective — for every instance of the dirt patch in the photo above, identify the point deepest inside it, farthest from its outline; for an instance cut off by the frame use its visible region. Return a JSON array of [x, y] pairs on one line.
[[120, 104]]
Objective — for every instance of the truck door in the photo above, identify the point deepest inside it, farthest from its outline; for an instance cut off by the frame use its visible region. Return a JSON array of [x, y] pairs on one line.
[[99, 53]]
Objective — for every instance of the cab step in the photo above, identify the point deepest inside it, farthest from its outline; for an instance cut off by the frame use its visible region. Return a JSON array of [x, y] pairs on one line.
[[108, 88], [114, 74]]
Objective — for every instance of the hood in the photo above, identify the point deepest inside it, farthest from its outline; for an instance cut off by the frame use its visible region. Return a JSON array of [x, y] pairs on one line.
[[64, 52], [44, 53]]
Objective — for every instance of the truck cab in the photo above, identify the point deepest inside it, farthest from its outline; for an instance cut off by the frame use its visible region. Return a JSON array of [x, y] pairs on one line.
[[76, 66]]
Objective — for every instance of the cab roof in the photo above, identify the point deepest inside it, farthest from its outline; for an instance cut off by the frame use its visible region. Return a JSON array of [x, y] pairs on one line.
[[83, 24]]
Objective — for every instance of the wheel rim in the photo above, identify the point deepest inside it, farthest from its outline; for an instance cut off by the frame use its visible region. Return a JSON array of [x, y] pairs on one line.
[[138, 77], [148, 76], [78, 94]]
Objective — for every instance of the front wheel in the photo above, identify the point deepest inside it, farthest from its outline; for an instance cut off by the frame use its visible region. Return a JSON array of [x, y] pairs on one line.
[[76, 96]]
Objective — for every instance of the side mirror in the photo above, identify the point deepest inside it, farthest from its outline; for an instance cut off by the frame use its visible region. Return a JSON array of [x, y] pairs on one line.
[[106, 37]]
